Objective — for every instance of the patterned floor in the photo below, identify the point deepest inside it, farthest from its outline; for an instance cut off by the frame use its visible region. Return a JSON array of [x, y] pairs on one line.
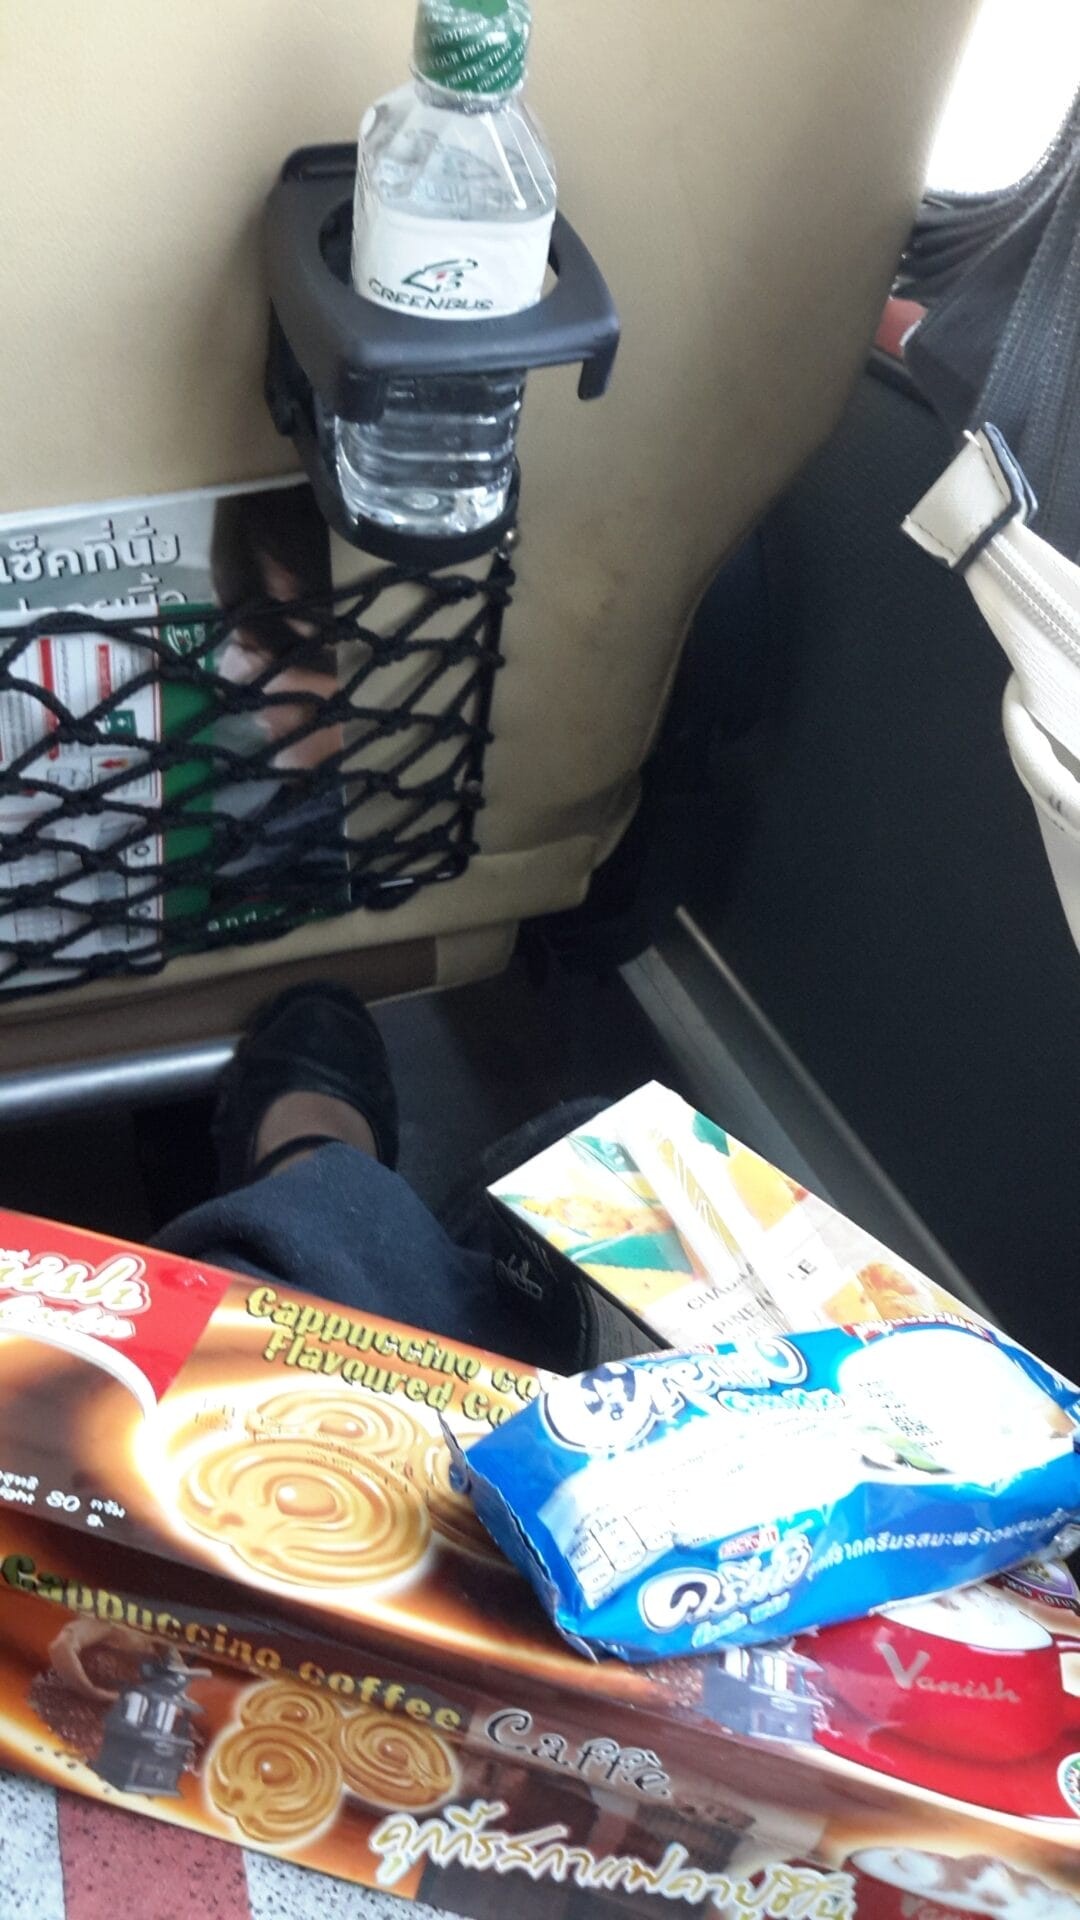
[[62, 1858]]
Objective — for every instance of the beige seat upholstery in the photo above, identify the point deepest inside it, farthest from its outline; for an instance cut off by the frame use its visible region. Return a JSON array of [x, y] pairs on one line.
[[745, 171]]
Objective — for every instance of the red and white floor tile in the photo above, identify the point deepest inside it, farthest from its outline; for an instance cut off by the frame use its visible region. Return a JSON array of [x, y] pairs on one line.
[[63, 1858]]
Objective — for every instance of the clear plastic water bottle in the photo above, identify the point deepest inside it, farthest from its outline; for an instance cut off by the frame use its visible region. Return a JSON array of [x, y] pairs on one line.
[[455, 200]]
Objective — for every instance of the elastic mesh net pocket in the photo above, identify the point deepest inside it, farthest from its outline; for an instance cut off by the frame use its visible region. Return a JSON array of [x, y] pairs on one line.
[[210, 778]]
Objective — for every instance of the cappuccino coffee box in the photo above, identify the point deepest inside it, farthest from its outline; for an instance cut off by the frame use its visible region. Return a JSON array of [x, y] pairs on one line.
[[240, 1592]]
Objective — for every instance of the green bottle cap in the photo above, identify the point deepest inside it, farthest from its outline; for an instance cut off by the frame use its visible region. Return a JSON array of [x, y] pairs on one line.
[[473, 46]]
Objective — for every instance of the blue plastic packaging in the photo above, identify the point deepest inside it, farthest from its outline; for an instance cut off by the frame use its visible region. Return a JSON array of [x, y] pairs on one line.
[[670, 1504]]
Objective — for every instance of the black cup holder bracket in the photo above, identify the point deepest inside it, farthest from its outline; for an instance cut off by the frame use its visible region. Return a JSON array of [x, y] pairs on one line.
[[333, 353]]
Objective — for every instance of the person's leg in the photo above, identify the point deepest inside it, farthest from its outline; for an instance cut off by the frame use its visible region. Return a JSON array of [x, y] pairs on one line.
[[337, 1224], [329, 1218]]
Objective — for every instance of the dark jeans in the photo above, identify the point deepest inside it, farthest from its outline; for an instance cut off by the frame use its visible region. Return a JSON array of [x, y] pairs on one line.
[[340, 1226]]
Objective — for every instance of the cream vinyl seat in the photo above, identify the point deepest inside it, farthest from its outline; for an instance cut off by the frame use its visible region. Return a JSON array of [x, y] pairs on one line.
[[744, 170]]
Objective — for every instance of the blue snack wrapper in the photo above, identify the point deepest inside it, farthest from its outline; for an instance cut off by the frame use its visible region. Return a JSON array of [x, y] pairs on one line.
[[666, 1505]]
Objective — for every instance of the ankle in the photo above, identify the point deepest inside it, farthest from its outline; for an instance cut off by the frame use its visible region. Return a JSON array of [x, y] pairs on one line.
[[296, 1115]]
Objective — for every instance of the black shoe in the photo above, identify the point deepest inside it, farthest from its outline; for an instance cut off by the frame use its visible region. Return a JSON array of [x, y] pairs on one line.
[[315, 1038]]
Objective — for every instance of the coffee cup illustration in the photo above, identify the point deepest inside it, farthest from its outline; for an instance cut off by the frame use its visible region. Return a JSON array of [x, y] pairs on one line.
[[901, 1883], [969, 1674]]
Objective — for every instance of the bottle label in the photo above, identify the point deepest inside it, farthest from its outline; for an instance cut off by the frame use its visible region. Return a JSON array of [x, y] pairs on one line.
[[450, 270]]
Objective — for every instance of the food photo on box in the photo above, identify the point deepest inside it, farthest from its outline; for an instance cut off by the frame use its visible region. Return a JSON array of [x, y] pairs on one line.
[[774, 1621]]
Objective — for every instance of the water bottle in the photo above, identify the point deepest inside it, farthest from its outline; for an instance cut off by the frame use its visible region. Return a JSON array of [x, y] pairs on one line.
[[455, 201]]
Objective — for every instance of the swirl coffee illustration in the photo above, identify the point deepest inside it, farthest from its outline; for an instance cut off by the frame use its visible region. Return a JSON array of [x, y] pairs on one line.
[[350, 1422], [277, 1784], [452, 1513], [285, 1703], [305, 1515], [395, 1764], [332, 1487]]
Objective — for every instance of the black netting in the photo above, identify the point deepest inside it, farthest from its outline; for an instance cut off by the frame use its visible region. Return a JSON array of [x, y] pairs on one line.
[[208, 778]]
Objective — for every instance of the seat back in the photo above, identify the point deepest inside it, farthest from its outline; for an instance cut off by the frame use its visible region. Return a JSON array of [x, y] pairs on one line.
[[745, 174]]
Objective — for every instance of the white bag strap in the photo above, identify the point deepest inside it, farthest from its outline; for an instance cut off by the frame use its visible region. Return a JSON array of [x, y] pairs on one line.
[[974, 519]]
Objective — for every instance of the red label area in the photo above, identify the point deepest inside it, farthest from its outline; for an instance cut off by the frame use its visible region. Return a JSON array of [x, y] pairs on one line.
[[96, 1297]]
